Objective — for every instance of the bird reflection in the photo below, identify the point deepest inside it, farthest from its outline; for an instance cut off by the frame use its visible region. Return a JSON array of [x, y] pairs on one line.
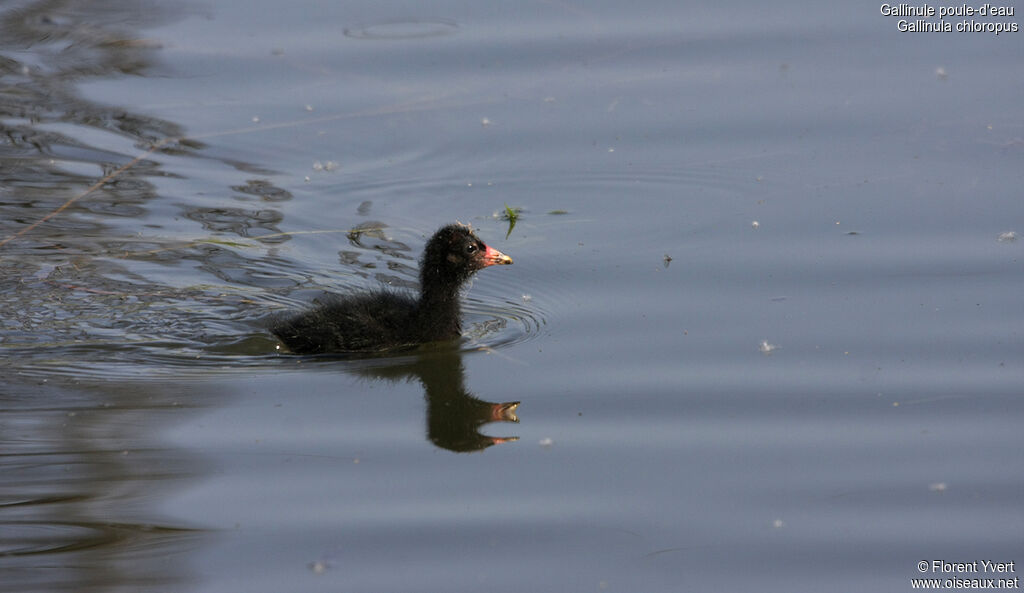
[[454, 415]]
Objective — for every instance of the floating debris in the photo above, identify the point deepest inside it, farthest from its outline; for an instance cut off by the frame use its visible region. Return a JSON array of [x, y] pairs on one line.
[[328, 166], [511, 215], [937, 487], [485, 122], [778, 523], [667, 260], [755, 225], [766, 348], [546, 442], [940, 72], [1007, 237]]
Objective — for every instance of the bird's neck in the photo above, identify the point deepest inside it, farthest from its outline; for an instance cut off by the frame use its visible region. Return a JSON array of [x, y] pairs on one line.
[[439, 310]]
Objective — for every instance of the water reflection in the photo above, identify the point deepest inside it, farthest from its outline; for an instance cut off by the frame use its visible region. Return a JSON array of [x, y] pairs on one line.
[[80, 471], [454, 414], [80, 180], [80, 466], [45, 49]]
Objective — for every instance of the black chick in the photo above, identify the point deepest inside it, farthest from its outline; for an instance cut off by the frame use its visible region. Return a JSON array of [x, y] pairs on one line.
[[385, 320]]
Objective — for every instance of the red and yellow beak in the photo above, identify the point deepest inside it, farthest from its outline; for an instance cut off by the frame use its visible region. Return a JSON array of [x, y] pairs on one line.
[[493, 257]]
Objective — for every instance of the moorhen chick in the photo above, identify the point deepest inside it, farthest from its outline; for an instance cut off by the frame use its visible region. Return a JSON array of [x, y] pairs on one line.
[[384, 320]]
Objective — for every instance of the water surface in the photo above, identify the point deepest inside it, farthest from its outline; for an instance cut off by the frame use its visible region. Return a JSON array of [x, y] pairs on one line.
[[764, 323]]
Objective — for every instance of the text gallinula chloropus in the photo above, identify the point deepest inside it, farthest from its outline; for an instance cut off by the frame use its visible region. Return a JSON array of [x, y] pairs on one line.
[[384, 320]]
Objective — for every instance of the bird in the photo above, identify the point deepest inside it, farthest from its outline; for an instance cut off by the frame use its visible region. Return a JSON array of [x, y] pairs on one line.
[[382, 320]]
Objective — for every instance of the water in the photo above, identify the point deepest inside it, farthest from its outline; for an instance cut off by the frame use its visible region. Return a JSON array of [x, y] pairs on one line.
[[821, 399]]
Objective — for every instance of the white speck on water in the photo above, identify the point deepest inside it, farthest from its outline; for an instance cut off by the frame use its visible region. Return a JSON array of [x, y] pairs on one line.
[[778, 523], [255, 119], [327, 166], [941, 73], [766, 348], [309, 108], [527, 298], [937, 487], [755, 225], [485, 121], [546, 442], [1007, 237]]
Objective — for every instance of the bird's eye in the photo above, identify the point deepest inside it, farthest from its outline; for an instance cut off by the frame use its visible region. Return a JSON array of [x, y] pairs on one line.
[[470, 248]]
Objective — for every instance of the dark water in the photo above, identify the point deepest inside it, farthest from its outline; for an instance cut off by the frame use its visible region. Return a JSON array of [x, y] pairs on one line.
[[765, 322]]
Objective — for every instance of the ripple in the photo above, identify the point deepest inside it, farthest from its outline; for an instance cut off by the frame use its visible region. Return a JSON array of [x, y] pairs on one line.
[[396, 29], [493, 325], [118, 319], [21, 538]]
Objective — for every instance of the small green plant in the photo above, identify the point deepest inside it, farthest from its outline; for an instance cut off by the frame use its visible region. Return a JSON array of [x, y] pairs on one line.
[[511, 215]]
